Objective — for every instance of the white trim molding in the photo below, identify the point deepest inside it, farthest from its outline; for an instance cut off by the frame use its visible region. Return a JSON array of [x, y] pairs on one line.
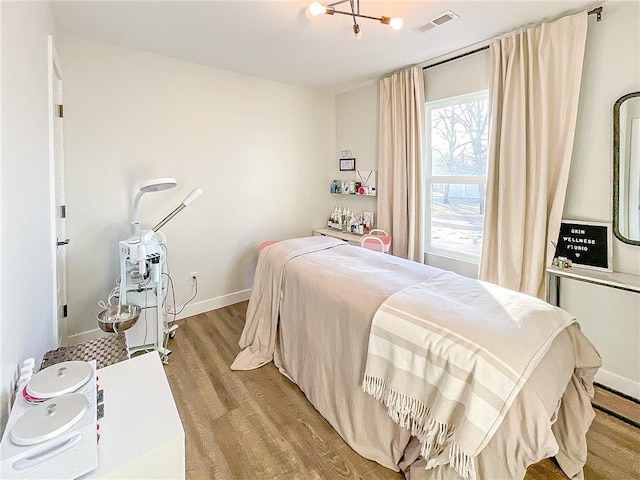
[[619, 383], [214, 303]]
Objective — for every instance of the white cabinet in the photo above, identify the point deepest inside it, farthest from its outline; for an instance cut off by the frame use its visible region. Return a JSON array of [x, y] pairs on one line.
[[141, 435]]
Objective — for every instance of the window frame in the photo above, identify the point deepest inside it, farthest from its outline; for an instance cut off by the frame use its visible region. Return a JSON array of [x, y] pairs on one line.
[[430, 179]]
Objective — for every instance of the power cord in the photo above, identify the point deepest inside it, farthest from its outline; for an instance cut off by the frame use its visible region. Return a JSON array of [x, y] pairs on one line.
[[195, 294], [146, 324], [173, 296]]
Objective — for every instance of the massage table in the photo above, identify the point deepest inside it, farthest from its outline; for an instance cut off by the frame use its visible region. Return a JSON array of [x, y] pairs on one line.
[[311, 312]]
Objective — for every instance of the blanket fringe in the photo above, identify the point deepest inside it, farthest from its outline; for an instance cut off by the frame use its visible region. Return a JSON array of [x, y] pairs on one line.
[[415, 416]]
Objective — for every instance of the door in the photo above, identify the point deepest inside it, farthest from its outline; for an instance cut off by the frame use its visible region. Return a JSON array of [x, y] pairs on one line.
[[56, 147]]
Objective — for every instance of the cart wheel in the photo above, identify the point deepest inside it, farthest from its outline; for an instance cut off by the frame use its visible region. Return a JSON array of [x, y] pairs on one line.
[[172, 334], [165, 360]]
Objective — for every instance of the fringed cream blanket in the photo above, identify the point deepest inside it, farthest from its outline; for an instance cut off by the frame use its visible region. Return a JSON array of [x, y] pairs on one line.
[[448, 357]]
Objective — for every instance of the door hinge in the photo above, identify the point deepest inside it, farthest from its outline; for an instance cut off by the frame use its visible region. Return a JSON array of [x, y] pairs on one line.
[[64, 311], [59, 111], [63, 211]]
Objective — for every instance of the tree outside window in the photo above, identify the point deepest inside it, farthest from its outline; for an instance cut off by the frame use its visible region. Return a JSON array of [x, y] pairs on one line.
[[457, 143]]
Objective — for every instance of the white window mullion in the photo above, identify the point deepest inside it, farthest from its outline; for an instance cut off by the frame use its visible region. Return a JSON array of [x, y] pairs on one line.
[[475, 180]]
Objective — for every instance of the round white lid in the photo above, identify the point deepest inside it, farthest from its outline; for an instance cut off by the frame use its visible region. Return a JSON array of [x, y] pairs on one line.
[[58, 379], [49, 419]]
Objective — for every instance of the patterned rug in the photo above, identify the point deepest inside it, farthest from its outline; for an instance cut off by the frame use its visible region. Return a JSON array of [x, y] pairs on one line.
[[104, 350]]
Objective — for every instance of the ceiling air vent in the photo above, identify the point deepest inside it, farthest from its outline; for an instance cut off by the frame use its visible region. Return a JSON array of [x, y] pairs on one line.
[[438, 21]]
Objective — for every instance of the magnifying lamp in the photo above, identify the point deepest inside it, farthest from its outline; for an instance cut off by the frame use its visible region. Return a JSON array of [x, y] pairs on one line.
[[158, 185], [155, 185]]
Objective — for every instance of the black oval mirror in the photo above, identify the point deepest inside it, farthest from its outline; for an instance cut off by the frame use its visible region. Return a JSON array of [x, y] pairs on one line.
[[626, 168]]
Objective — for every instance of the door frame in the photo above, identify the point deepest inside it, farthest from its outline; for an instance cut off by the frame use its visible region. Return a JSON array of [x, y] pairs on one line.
[[59, 328]]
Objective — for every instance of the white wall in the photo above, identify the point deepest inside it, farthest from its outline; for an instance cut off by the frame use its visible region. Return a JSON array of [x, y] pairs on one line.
[[611, 69], [257, 148], [356, 126], [27, 324], [610, 318]]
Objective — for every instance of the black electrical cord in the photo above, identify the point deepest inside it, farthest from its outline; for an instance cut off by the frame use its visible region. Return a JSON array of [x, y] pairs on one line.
[[173, 292]]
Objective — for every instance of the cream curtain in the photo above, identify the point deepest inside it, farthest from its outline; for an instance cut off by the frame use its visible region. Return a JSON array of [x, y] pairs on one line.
[[400, 189], [534, 91]]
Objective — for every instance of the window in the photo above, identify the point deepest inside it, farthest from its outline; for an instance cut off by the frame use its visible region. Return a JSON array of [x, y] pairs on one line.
[[456, 161]]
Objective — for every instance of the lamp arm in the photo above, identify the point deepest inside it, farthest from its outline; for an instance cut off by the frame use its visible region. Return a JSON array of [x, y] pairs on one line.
[[355, 11], [195, 193], [135, 223], [168, 217], [380, 19]]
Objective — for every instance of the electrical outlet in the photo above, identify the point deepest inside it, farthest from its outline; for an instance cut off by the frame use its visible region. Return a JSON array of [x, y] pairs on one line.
[[193, 276]]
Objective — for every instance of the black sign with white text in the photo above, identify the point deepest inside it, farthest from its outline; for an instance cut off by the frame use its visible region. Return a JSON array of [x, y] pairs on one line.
[[584, 244]]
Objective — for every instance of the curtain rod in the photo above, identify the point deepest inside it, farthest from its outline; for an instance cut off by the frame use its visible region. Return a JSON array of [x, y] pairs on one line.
[[596, 11], [462, 55]]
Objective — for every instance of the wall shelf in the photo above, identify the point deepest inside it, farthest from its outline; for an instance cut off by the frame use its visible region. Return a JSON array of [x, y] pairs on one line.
[[352, 195], [350, 238], [622, 281]]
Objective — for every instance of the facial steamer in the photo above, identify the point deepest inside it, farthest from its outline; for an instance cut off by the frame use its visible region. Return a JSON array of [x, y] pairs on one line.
[[142, 263]]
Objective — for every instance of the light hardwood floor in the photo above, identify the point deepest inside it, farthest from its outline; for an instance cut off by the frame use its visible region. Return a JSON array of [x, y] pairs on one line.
[[258, 425]]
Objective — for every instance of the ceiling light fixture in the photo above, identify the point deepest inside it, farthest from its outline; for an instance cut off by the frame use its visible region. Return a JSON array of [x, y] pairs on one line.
[[317, 8]]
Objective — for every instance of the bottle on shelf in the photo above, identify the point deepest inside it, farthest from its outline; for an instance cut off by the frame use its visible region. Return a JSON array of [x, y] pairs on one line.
[[344, 219], [351, 188]]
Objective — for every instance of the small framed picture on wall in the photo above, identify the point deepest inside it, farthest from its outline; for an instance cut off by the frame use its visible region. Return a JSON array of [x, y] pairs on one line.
[[347, 164]]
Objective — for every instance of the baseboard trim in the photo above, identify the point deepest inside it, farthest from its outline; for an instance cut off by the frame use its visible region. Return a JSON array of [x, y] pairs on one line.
[[213, 304], [618, 382], [86, 336], [190, 310], [618, 393]]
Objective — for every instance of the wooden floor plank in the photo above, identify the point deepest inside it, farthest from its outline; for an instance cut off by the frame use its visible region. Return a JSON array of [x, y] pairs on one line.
[[626, 407], [257, 425]]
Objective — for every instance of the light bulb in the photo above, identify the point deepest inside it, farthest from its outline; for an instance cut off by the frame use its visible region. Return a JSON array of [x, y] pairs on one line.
[[315, 9], [396, 23], [356, 32]]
